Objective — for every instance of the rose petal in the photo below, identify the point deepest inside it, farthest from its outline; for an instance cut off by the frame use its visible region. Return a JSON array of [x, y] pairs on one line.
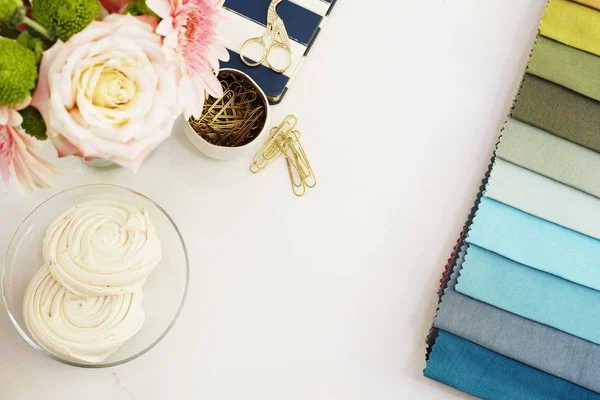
[[64, 148], [41, 95], [110, 92]]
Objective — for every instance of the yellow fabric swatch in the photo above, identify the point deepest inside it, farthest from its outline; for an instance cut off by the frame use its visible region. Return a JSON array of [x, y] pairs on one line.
[[572, 24], [590, 3]]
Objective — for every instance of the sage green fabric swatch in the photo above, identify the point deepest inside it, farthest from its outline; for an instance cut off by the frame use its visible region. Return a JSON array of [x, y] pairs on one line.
[[571, 68], [551, 156], [559, 111]]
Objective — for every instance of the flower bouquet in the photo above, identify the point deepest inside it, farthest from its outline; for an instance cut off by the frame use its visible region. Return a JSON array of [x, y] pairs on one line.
[[100, 79]]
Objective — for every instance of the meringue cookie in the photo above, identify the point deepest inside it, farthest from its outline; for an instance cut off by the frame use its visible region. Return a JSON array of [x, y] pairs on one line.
[[79, 328], [101, 248]]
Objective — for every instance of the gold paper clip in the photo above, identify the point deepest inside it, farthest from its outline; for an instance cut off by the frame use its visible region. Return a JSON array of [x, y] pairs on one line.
[[235, 118], [284, 139], [298, 165], [270, 149]]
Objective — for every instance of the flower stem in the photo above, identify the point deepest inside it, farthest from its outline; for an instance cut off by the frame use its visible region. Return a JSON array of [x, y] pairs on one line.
[[38, 28]]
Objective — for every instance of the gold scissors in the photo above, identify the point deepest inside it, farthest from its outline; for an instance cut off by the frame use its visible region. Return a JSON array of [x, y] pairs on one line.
[[279, 40]]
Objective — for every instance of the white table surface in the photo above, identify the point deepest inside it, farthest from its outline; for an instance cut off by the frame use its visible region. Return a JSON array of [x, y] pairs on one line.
[[329, 296]]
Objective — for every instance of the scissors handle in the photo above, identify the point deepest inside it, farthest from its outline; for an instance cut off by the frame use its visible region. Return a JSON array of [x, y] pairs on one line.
[[259, 40], [279, 45]]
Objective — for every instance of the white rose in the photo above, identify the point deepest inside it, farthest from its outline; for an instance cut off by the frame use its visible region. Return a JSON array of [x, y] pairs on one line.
[[108, 92]]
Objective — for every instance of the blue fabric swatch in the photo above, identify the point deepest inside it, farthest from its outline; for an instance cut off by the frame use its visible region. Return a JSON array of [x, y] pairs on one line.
[[530, 293], [475, 370], [531, 343], [536, 243]]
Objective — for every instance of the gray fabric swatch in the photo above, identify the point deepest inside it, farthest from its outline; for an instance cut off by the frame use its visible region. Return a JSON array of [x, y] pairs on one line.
[[526, 341]]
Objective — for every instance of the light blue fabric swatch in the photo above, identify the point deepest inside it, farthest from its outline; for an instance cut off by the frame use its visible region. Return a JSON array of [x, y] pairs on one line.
[[531, 293], [536, 243], [531, 343], [475, 370]]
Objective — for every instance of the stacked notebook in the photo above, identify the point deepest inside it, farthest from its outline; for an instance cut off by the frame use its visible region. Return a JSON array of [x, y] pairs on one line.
[[245, 19], [519, 312]]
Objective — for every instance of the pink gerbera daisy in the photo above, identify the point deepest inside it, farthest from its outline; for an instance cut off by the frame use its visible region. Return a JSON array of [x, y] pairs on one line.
[[17, 152], [190, 31]]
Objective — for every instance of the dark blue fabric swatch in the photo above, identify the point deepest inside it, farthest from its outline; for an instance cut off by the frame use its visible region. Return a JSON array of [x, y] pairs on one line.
[[475, 370]]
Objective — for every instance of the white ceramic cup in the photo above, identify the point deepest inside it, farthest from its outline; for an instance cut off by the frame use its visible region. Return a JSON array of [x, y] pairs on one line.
[[230, 153]]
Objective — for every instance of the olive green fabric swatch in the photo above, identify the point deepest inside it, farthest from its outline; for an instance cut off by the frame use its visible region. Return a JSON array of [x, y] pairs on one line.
[[566, 66], [559, 111], [551, 156]]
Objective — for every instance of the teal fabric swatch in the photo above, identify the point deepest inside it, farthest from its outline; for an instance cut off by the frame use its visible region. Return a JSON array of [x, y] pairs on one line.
[[475, 370], [530, 293], [536, 243]]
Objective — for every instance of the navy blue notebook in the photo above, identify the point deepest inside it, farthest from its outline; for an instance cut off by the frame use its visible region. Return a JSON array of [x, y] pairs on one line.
[[246, 19]]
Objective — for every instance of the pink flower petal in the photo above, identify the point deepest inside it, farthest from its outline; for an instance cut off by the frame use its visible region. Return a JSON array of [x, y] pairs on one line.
[[165, 27], [171, 39], [213, 86], [19, 160], [191, 33], [15, 119], [221, 52], [162, 8], [4, 115], [193, 94]]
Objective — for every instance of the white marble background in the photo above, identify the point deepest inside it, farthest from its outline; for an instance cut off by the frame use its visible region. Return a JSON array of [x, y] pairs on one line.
[[329, 296]]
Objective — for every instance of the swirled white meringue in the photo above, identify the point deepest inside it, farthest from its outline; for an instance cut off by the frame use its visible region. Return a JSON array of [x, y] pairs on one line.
[[102, 248], [79, 328]]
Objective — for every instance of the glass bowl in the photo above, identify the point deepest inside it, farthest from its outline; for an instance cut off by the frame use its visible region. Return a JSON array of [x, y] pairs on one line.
[[164, 291]]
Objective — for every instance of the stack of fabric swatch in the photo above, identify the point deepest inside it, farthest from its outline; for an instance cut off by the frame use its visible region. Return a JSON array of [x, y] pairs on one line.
[[519, 312]]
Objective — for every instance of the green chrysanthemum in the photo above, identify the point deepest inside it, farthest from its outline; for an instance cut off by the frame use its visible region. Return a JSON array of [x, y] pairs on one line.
[[138, 7], [18, 72], [8, 8], [65, 17], [32, 43], [33, 123]]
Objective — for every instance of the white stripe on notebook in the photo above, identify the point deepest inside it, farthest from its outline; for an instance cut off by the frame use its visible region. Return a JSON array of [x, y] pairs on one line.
[[235, 29], [317, 6]]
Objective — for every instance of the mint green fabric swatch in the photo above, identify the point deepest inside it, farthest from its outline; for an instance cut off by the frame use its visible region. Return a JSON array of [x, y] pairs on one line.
[[531, 293], [551, 156], [545, 198], [569, 67]]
